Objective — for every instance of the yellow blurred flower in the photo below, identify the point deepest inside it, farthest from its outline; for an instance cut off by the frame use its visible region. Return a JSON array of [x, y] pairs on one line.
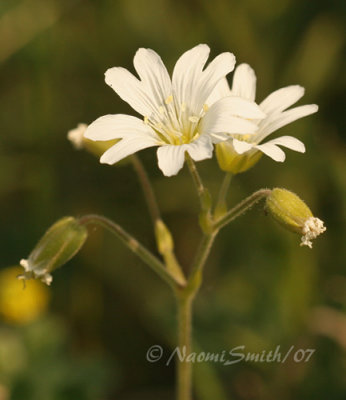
[[20, 305]]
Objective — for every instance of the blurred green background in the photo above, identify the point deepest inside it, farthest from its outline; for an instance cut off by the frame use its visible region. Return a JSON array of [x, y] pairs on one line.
[[86, 337]]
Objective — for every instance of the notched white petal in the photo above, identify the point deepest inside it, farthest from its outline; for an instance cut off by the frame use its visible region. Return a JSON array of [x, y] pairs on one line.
[[117, 126], [191, 61], [126, 147], [200, 149], [129, 89], [244, 82], [273, 151], [216, 71], [276, 121], [290, 142], [222, 124], [153, 74], [282, 98], [221, 90], [171, 159], [220, 117], [240, 107]]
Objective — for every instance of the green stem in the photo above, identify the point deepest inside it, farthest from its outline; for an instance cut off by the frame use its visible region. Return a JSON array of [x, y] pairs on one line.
[[203, 251], [241, 208], [203, 194], [136, 247], [168, 254], [221, 205], [146, 187], [186, 295], [184, 368], [185, 301], [205, 217]]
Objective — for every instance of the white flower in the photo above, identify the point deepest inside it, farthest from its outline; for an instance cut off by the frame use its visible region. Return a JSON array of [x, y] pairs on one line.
[[176, 116], [274, 106]]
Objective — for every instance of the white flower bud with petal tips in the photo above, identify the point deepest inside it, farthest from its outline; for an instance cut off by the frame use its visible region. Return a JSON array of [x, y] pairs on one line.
[[291, 212], [312, 228], [57, 246]]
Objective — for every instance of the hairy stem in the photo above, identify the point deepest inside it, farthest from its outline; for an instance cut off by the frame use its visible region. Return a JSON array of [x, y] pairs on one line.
[[205, 217], [203, 194], [184, 368], [241, 208], [136, 247], [185, 301], [221, 205], [146, 187], [202, 254]]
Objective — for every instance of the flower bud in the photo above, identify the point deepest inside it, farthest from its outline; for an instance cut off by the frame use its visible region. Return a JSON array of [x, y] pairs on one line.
[[230, 161], [76, 137], [291, 212], [163, 237], [57, 246]]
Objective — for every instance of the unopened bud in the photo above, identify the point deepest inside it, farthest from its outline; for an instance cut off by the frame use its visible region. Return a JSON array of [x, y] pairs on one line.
[[57, 246], [165, 245], [164, 238], [230, 161], [76, 137], [291, 212]]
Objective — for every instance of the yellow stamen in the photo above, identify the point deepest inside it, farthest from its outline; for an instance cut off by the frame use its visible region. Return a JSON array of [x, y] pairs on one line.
[[169, 99], [246, 138], [194, 119]]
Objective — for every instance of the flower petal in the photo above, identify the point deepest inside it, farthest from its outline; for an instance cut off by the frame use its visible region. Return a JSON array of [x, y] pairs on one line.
[[171, 159], [218, 126], [130, 89], [219, 137], [290, 142], [220, 117], [228, 124], [241, 147], [187, 72], [200, 149], [277, 121], [217, 70], [117, 126], [244, 82], [282, 99], [125, 147], [272, 151], [221, 90], [153, 74], [240, 107]]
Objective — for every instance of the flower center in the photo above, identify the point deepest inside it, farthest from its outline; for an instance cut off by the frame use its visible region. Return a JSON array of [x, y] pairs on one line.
[[174, 123]]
